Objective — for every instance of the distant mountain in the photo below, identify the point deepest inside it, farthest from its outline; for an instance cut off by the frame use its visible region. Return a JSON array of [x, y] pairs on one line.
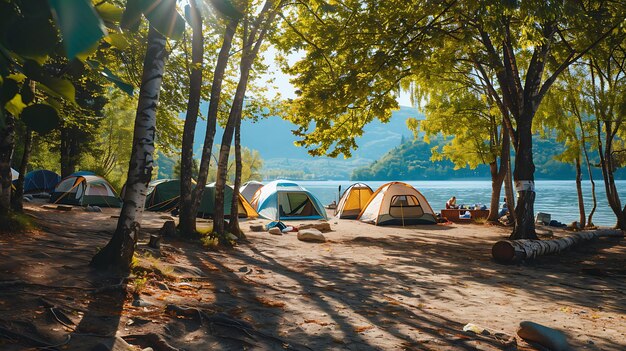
[[274, 140], [411, 161]]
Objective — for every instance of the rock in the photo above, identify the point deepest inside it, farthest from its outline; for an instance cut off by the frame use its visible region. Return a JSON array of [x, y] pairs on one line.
[[542, 335], [257, 228], [275, 231], [311, 235], [113, 344], [141, 303], [96, 209], [168, 229], [243, 269], [323, 227]]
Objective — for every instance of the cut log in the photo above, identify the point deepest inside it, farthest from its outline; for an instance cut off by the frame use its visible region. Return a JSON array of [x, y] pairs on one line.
[[511, 251], [542, 335], [168, 230]]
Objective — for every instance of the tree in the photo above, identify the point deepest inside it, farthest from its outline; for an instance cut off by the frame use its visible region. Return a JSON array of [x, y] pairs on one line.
[[118, 253], [350, 75], [189, 206], [606, 95], [193, 106], [254, 32]]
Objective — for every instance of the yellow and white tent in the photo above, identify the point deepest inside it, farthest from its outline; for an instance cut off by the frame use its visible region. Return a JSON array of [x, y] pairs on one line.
[[353, 201], [397, 203]]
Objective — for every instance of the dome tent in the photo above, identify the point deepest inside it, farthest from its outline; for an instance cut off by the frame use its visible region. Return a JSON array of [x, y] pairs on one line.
[[85, 190], [397, 203], [285, 200], [40, 181], [207, 203], [248, 189], [163, 195], [353, 201]]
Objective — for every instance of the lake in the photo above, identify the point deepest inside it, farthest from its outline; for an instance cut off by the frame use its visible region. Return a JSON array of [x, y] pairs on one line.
[[557, 197]]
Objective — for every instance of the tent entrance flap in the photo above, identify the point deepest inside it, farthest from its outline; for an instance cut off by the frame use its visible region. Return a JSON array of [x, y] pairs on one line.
[[296, 204]]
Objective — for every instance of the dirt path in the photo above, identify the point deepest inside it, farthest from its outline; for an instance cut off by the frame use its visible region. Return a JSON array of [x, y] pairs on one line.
[[367, 288]]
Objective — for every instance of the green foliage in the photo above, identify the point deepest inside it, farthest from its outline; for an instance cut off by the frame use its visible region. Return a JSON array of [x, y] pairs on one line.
[[80, 25], [15, 223]]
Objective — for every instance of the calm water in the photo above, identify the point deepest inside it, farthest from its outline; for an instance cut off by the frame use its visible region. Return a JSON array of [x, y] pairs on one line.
[[557, 197]]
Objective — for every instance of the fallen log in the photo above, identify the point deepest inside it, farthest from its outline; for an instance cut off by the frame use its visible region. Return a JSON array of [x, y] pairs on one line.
[[511, 251], [547, 337]]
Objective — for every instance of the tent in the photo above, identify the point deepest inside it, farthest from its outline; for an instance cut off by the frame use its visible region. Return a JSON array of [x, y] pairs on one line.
[[40, 181], [163, 195], [353, 201], [82, 173], [207, 204], [14, 174], [285, 200], [397, 203], [248, 189], [85, 190]]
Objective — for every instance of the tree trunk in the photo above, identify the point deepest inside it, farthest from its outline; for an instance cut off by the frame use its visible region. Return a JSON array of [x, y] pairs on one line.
[[605, 154], [188, 218], [524, 176], [233, 225], [511, 251], [18, 197], [579, 190], [499, 175], [251, 46], [118, 253], [7, 143], [508, 191], [588, 164]]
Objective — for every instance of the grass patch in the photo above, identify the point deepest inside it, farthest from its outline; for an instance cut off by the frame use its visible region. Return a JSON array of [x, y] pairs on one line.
[[150, 267], [15, 223], [480, 220]]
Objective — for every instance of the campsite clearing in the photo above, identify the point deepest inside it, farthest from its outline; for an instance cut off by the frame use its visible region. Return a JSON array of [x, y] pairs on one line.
[[366, 288]]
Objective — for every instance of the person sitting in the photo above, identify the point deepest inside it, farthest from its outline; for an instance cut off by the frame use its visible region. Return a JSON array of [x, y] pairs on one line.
[[451, 203], [504, 210]]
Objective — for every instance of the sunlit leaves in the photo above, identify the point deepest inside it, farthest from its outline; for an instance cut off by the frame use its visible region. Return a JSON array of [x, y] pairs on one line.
[[80, 25]]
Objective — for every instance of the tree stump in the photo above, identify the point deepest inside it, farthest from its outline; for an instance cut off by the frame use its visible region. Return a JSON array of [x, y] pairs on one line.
[[168, 230], [155, 241]]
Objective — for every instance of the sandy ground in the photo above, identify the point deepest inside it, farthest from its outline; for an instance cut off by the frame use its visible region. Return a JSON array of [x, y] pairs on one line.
[[366, 288]]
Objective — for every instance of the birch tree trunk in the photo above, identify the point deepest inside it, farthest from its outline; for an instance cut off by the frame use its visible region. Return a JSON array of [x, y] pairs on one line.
[[18, 196], [233, 225], [118, 253], [7, 143], [186, 226], [508, 191], [512, 251], [189, 210]]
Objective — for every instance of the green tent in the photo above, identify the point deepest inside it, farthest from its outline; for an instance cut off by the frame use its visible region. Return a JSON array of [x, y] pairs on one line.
[[163, 195], [207, 204]]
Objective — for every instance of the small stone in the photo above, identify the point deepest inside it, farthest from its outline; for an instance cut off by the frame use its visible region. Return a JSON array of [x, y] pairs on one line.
[[257, 228], [323, 227], [243, 269], [275, 231], [311, 235], [141, 303]]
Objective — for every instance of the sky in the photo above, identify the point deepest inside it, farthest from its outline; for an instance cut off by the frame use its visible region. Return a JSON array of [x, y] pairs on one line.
[[286, 89]]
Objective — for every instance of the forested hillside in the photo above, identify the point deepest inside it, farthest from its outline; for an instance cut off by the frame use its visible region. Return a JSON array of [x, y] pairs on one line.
[[412, 161]]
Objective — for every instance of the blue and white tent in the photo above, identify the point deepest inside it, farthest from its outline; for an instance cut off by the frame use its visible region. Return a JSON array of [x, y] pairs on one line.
[[283, 200]]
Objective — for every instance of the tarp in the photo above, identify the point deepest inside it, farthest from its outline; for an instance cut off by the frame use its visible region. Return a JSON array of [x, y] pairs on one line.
[[82, 173], [353, 201], [248, 189], [14, 174], [286, 200], [397, 203], [207, 204], [40, 181], [85, 190]]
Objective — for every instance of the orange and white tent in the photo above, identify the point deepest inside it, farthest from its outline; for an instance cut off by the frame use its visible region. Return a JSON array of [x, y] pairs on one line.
[[397, 203], [353, 201]]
